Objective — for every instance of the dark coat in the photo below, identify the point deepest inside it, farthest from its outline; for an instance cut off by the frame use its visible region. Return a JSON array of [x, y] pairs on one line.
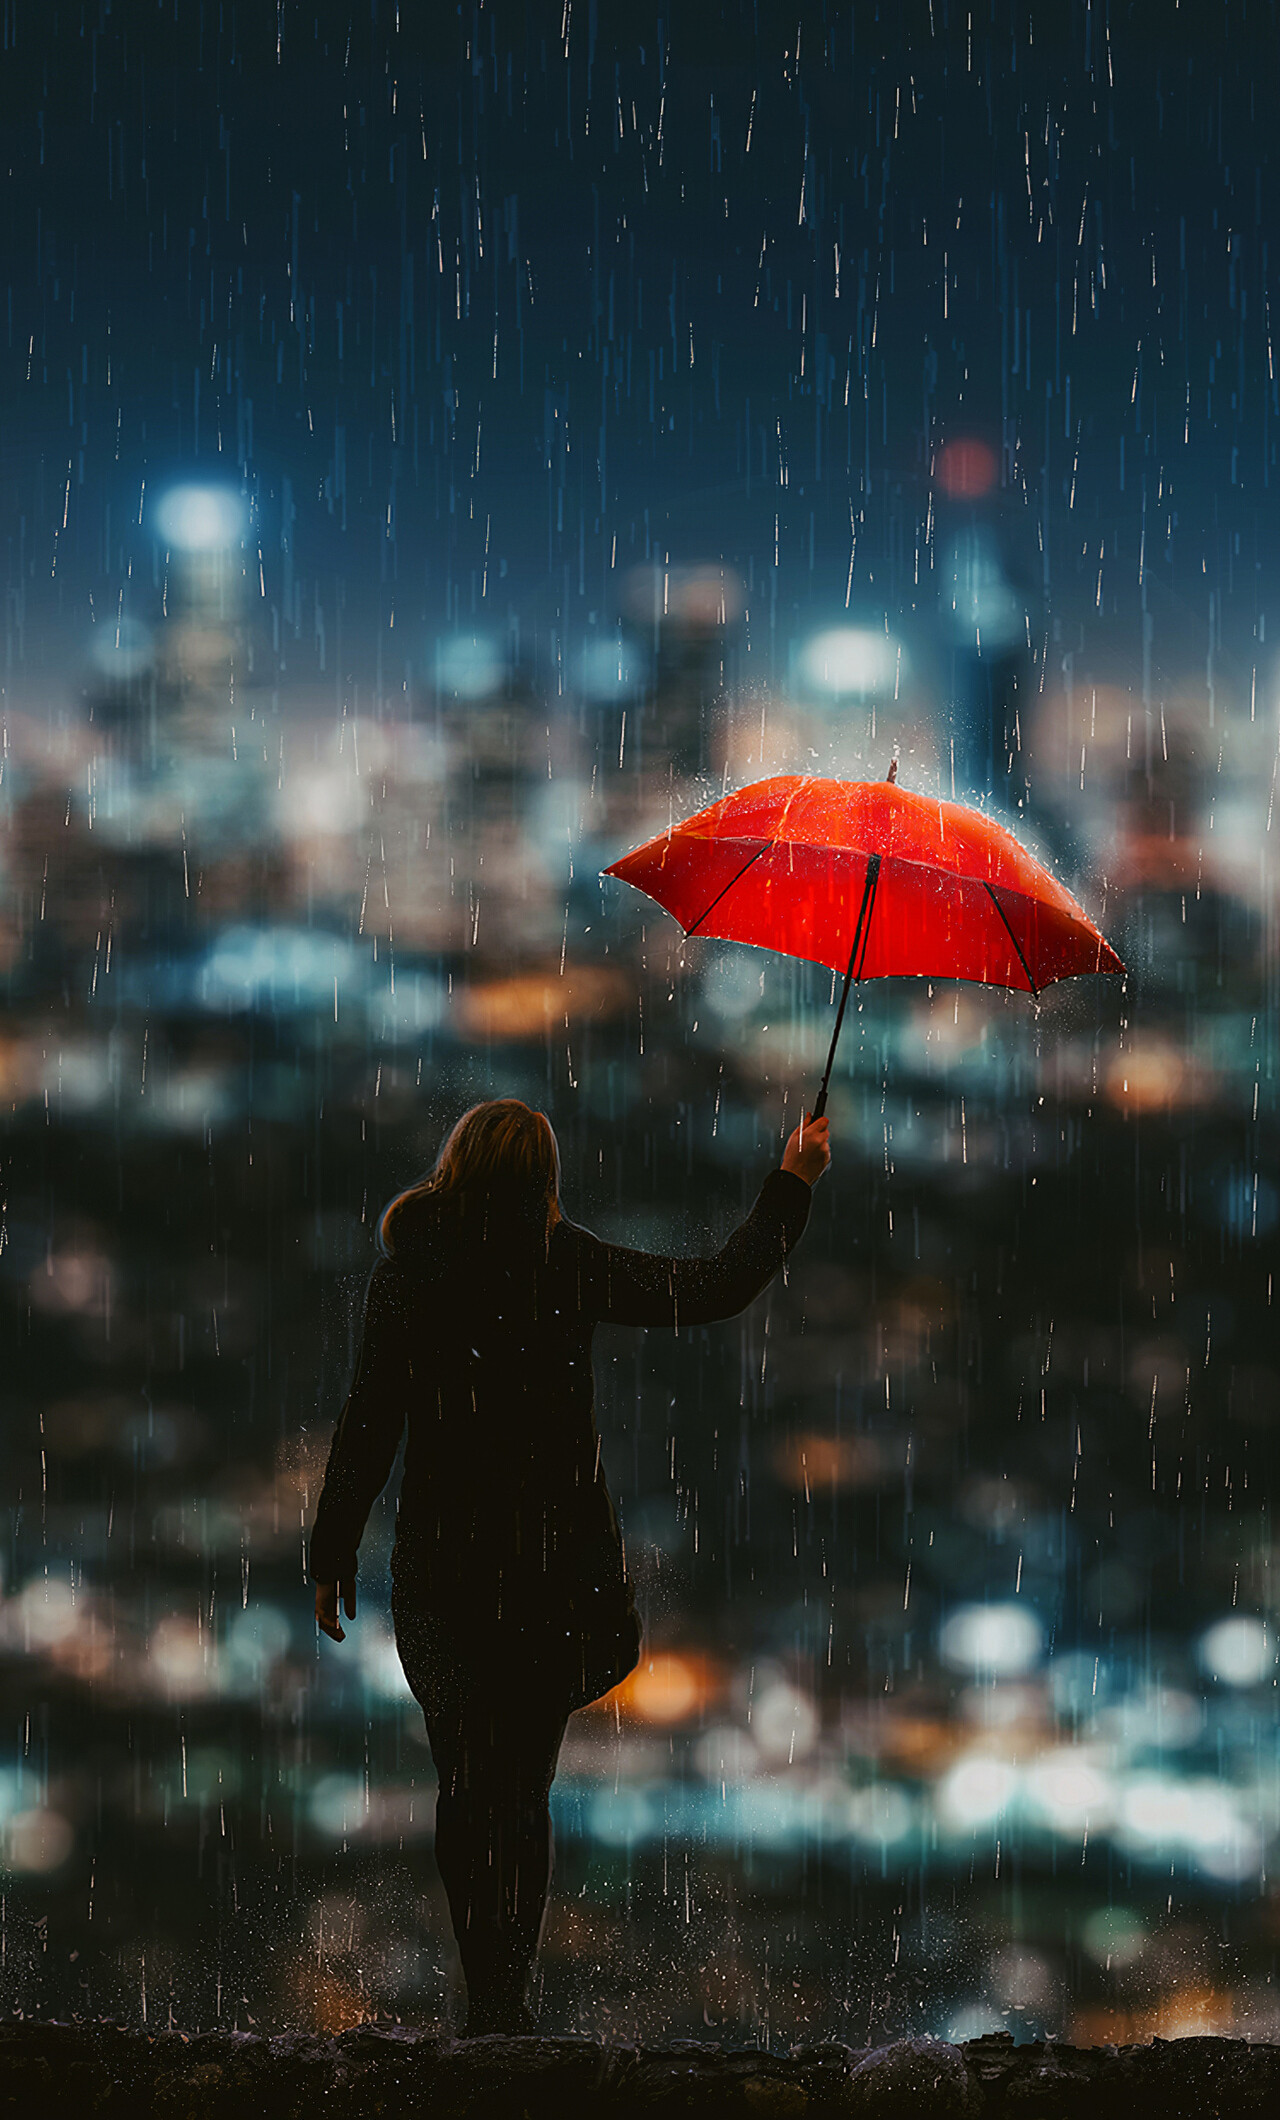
[[479, 1337]]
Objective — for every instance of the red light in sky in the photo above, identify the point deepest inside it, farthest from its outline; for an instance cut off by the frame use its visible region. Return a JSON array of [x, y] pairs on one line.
[[966, 469]]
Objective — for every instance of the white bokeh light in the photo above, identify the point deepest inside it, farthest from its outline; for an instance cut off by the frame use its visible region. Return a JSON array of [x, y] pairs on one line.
[[1239, 1651], [49, 1613], [880, 1814], [851, 660], [726, 1754], [1202, 1816], [274, 967], [1069, 1790], [1163, 1716], [993, 1641], [784, 1723], [201, 518], [976, 1790], [182, 1660], [39, 1840]]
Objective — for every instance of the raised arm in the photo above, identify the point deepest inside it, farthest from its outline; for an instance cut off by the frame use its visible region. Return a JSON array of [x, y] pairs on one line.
[[368, 1433], [622, 1287]]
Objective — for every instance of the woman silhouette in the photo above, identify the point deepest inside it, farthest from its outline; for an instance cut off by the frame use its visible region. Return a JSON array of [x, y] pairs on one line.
[[509, 1591]]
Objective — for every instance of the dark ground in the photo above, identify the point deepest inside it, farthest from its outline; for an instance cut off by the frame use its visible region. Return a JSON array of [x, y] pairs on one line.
[[386, 2070]]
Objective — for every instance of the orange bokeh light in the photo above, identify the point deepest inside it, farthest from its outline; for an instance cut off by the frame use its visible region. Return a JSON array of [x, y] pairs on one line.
[[1184, 2013], [531, 1004], [814, 1462], [666, 1688], [1156, 1075]]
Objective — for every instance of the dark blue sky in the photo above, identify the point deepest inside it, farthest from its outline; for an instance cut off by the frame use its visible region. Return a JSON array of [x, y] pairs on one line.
[[462, 305]]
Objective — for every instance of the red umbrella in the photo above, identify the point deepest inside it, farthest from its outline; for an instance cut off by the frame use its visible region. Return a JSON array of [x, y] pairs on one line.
[[871, 880]]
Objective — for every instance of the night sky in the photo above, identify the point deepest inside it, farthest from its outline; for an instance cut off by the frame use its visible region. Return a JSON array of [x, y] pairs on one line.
[[482, 312]]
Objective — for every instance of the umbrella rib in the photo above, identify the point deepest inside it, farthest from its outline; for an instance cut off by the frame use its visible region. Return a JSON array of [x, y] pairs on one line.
[[707, 910], [1013, 939]]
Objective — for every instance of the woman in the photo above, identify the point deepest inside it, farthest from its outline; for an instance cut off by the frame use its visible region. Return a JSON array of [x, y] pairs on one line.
[[509, 1591]]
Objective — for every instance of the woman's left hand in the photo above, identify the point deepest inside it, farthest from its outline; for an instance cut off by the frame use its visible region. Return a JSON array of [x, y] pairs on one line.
[[328, 1596], [808, 1152]]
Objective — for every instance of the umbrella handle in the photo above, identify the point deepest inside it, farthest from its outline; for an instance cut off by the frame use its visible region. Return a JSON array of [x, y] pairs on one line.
[[859, 933]]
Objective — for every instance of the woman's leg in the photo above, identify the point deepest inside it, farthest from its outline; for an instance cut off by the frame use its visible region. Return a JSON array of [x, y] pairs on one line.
[[496, 1760], [495, 1729]]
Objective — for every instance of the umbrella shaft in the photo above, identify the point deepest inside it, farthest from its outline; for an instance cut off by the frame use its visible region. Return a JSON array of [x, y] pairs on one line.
[[864, 921]]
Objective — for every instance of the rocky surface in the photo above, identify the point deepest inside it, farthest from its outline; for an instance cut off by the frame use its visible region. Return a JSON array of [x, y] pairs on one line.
[[380, 2072]]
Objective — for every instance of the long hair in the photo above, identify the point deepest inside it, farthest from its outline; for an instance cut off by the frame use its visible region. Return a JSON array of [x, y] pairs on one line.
[[499, 1168]]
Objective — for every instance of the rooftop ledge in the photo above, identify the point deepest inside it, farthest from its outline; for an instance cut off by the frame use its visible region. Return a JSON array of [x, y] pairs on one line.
[[380, 2071]]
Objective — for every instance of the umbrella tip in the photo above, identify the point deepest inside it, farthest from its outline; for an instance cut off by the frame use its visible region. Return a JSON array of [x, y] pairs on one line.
[[892, 774]]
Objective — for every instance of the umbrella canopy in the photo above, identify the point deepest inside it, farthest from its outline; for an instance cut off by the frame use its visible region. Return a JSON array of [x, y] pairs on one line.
[[944, 891], [871, 880]]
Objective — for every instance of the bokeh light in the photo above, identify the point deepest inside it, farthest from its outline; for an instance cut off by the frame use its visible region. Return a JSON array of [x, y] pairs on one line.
[[976, 1791], [1239, 1651], [205, 519], [851, 661], [967, 469], [992, 1640], [469, 666]]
